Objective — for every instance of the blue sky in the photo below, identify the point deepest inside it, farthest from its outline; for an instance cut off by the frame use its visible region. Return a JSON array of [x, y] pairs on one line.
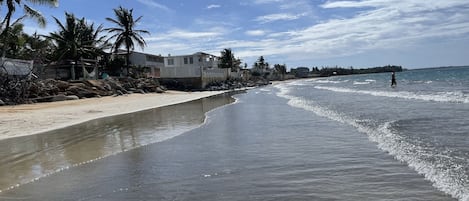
[[359, 33]]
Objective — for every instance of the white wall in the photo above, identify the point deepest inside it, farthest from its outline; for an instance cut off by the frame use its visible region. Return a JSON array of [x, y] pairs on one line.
[[179, 72], [215, 73], [195, 60], [190, 72], [140, 59]]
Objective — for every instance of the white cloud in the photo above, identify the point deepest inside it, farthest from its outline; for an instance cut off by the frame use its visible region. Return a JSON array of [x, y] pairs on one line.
[[278, 16], [410, 5], [381, 25], [255, 32], [386, 24], [191, 35], [355, 4], [267, 1], [213, 6], [295, 5], [186, 35], [154, 4]]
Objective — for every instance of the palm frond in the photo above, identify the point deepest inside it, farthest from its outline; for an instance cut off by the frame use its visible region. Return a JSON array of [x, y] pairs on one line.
[[113, 21], [61, 26], [142, 31], [17, 21], [138, 19], [54, 3], [36, 15]]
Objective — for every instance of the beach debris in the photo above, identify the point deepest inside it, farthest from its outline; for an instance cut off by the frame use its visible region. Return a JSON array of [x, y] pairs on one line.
[[235, 84], [50, 90]]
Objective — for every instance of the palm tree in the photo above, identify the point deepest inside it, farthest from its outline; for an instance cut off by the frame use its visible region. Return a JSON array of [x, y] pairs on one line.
[[77, 39], [280, 70], [125, 34], [227, 59], [29, 12], [14, 44], [37, 48]]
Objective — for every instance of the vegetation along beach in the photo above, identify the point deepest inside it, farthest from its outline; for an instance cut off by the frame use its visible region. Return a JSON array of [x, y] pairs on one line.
[[234, 100]]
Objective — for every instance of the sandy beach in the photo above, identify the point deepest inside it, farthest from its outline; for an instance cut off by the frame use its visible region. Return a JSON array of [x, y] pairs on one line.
[[29, 119]]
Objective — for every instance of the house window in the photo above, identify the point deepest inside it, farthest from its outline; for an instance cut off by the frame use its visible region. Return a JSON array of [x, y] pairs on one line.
[[154, 58], [191, 60], [185, 60], [170, 62]]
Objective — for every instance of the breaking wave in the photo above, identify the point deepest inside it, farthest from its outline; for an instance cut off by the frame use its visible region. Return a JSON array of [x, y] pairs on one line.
[[361, 83], [323, 81], [447, 173], [454, 97]]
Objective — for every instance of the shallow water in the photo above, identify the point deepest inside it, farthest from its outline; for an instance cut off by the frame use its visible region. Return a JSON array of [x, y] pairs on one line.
[[260, 148], [26, 159]]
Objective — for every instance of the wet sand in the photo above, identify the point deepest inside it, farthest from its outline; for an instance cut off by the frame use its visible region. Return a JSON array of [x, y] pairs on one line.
[[26, 159], [23, 120]]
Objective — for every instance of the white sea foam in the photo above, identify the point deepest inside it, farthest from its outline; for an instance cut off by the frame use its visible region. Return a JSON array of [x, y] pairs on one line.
[[424, 82], [367, 81], [443, 171], [321, 81], [361, 83], [454, 97], [298, 83]]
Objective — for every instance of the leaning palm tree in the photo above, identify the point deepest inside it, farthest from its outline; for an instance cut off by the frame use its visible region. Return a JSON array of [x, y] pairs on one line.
[[28, 12], [76, 39], [125, 34]]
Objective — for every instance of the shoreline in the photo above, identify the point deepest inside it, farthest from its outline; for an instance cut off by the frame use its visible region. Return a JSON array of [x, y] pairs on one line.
[[33, 119]]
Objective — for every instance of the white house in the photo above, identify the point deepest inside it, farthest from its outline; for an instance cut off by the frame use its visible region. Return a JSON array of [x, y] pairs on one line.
[[153, 62], [194, 70], [186, 66]]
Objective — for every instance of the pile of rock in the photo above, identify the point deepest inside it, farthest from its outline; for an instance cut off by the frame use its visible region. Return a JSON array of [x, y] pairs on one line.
[[235, 84], [50, 90]]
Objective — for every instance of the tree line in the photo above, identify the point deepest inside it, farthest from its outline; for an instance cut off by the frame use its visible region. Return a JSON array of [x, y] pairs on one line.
[[75, 39], [329, 71]]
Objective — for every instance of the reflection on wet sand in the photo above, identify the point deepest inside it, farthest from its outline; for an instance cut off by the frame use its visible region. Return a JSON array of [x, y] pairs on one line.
[[25, 159]]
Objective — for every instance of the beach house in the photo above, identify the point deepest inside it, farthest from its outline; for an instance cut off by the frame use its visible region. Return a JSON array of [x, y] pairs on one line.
[[150, 64], [300, 72], [192, 71]]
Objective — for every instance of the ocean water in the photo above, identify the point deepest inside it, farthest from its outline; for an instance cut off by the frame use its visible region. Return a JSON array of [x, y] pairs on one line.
[[423, 122], [337, 138]]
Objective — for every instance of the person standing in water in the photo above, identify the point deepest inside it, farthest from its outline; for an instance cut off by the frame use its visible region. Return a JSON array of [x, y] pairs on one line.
[[393, 80]]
